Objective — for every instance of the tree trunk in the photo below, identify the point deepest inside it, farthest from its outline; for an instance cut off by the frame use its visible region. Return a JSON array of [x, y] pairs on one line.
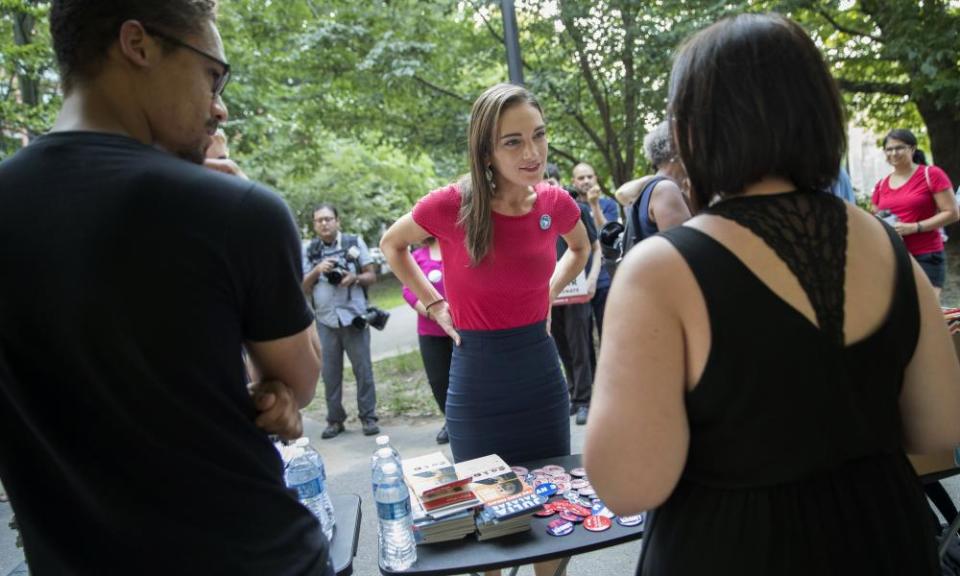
[[943, 125], [29, 84]]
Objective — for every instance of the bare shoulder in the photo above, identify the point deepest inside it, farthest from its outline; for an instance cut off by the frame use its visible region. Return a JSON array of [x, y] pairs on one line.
[[652, 267]]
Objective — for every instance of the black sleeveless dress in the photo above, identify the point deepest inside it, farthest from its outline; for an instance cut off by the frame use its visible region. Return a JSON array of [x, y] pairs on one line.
[[795, 463]]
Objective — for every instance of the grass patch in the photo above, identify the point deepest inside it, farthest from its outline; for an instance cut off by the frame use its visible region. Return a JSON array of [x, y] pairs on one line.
[[387, 293], [402, 391]]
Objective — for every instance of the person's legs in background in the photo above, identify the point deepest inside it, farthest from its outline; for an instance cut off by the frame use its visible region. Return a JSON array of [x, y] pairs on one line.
[[437, 352], [579, 337], [357, 344], [332, 372]]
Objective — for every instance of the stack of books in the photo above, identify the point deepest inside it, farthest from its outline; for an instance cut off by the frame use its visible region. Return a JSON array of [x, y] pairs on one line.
[[508, 501], [482, 495], [442, 504]]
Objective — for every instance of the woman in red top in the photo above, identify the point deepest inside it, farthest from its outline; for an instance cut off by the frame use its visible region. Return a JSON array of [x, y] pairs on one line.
[[497, 229], [921, 197]]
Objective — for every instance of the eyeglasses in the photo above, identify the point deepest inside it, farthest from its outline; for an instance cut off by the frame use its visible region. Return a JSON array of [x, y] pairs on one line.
[[895, 149], [220, 82], [324, 219]]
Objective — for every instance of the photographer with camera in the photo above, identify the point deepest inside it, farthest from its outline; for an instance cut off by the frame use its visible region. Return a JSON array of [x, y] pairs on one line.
[[337, 271]]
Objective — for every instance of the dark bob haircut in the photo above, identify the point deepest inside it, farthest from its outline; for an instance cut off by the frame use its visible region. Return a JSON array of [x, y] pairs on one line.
[[750, 97], [83, 30]]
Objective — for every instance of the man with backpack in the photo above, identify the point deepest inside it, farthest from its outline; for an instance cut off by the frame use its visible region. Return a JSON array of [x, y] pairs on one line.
[[337, 270]]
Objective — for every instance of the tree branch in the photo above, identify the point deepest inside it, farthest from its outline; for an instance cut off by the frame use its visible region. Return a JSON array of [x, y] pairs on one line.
[[440, 89], [846, 29], [891, 88], [564, 154]]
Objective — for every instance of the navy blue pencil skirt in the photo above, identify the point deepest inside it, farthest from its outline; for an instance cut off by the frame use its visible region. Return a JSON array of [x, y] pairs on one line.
[[507, 396]]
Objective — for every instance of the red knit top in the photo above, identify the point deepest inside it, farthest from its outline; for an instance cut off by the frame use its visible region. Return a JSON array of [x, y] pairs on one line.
[[510, 286]]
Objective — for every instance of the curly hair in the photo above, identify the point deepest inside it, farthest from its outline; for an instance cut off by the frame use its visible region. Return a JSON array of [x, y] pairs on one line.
[[84, 30], [658, 145]]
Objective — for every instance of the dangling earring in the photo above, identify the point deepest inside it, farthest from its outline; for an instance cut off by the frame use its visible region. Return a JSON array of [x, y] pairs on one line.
[[488, 174]]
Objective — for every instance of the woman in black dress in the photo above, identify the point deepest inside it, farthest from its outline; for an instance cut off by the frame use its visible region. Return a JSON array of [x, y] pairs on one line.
[[768, 363]]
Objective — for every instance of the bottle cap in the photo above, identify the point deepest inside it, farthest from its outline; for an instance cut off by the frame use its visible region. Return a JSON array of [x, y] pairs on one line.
[[383, 440]]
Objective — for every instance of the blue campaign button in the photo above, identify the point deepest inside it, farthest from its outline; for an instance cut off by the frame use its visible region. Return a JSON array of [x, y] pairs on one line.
[[546, 490]]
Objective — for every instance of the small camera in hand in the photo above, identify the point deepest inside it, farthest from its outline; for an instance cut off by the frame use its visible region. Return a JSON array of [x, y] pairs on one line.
[[374, 317], [335, 275]]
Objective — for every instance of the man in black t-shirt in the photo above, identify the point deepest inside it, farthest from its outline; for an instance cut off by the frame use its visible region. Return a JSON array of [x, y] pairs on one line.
[[132, 278]]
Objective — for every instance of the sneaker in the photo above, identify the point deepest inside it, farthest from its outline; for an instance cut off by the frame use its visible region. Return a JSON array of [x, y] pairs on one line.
[[332, 430], [370, 428], [443, 437], [582, 415]]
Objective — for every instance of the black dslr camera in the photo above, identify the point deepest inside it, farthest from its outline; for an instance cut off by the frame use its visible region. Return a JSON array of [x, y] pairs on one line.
[[335, 275], [374, 316], [612, 238]]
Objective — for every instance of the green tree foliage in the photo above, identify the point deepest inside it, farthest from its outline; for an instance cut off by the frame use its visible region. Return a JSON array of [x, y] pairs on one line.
[[28, 81], [898, 61], [366, 103]]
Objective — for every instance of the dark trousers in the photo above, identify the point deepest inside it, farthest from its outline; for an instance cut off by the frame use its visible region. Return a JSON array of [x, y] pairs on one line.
[[599, 304], [356, 343], [572, 331], [436, 352]]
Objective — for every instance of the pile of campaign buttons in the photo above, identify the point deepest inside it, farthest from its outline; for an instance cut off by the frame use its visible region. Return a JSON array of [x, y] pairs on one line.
[[571, 497]]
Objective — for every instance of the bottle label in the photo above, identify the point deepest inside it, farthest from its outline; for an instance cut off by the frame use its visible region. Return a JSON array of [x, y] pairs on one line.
[[309, 489], [393, 510]]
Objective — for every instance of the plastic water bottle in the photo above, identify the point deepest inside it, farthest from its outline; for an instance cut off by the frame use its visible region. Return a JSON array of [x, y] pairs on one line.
[[384, 453], [398, 550], [313, 455], [305, 474]]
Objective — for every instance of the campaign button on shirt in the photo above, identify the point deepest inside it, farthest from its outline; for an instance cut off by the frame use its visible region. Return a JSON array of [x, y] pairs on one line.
[[635, 520], [559, 527], [596, 523]]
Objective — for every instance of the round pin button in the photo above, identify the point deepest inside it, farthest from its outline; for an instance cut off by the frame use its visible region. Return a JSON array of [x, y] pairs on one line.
[[635, 520], [571, 517], [579, 483], [579, 472], [553, 469], [559, 527], [588, 491], [596, 523], [546, 490], [547, 510], [520, 470]]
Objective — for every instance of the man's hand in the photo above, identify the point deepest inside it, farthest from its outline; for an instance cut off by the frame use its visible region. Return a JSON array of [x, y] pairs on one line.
[[226, 166], [325, 266], [349, 279], [277, 408], [593, 195]]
